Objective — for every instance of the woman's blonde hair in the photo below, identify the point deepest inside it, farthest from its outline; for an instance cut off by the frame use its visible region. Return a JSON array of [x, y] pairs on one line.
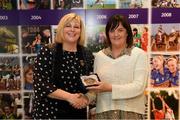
[[59, 38], [174, 58], [161, 58]]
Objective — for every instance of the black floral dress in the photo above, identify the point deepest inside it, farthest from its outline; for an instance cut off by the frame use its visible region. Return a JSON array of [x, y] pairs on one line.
[[59, 69]]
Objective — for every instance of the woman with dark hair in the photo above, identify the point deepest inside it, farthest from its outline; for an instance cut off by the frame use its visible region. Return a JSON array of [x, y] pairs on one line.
[[28, 77], [123, 72], [137, 38], [158, 108]]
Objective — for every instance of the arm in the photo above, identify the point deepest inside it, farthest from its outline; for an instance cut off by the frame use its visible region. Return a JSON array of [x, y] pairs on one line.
[[27, 45], [154, 110], [43, 83], [138, 85], [153, 105], [165, 106], [101, 86]]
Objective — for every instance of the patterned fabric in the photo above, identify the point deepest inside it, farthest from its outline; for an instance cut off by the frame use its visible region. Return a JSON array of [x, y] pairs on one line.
[[125, 51], [119, 114], [58, 70]]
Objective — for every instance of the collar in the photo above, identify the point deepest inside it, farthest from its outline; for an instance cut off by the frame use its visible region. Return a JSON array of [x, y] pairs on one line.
[[126, 51]]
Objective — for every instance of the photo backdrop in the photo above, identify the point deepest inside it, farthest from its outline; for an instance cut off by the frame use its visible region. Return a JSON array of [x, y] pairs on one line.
[[26, 24]]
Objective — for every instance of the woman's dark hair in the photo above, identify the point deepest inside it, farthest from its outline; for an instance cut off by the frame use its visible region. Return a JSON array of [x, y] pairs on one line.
[[135, 29], [113, 23], [158, 103]]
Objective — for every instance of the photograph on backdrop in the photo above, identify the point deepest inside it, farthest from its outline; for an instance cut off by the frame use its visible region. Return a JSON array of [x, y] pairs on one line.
[[96, 36], [100, 4], [28, 64], [10, 73], [10, 106], [140, 36], [165, 70], [9, 40], [28, 98], [165, 3], [34, 37], [34, 4], [8, 4], [68, 4], [165, 37], [133, 3], [54, 31], [164, 104]]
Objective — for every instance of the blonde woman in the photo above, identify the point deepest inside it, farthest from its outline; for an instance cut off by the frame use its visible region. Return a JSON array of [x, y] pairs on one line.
[[172, 64], [159, 73], [57, 85]]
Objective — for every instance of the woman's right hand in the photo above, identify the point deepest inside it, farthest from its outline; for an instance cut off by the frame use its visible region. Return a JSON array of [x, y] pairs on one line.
[[78, 100]]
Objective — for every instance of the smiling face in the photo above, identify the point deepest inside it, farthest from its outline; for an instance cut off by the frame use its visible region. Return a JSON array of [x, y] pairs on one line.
[[29, 76], [157, 63], [72, 31], [118, 36], [172, 65], [118, 32]]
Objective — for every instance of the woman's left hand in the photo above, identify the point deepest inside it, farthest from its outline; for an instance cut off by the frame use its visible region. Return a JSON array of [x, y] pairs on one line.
[[101, 87]]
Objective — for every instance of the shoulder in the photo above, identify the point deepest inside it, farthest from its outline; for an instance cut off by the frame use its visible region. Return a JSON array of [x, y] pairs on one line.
[[100, 55], [138, 51], [139, 56], [51, 45], [44, 50], [47, 50]]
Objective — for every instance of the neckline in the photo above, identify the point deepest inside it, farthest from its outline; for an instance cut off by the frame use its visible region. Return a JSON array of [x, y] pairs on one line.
[[60, 48], [108, 57], [108, 53], [66, 51]]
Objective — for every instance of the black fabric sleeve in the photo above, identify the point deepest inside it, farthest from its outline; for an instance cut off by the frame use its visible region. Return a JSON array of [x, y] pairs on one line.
[[43, 83]]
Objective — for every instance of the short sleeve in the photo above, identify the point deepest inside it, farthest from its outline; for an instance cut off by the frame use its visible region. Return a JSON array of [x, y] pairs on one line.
[[43, 81]]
